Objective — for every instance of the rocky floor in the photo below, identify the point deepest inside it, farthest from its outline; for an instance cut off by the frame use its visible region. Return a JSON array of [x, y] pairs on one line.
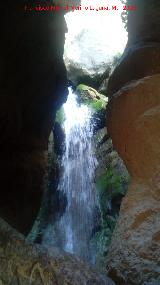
[[24, 263]]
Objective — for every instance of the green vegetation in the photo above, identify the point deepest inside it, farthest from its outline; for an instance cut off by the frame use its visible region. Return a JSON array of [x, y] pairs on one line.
[[102, 238], [109, 186], [91, 97], [96, 105], [81, 87], [60, 116]]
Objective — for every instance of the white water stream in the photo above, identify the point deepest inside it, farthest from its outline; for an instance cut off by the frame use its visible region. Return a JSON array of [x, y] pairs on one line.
[[73, 231]]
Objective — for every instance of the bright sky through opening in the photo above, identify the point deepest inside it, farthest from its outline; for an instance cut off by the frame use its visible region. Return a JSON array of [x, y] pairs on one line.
[[107, 26]]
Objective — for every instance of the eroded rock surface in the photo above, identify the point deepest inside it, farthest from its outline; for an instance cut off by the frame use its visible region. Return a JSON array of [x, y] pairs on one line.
[[138, 61], [134, 125], [26, 263]]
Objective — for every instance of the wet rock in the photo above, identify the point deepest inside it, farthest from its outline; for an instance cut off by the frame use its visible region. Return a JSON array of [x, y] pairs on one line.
[[59, 138], [107, 156], [94, 100], [112, 183], [26, 263]]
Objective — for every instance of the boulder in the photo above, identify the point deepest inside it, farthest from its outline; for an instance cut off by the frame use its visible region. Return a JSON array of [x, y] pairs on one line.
[[88, 55], [89, 96], [79, 72], [86, 59]]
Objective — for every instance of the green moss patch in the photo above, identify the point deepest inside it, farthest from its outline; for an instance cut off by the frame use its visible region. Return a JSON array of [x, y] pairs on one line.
[[91, 98], [109, 186], [60, 116]]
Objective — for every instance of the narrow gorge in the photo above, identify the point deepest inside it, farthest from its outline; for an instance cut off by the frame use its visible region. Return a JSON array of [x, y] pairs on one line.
[[80, 155]]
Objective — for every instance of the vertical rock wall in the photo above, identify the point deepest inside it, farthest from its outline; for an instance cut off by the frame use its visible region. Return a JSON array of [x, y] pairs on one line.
[[33, 85], [134, 125]]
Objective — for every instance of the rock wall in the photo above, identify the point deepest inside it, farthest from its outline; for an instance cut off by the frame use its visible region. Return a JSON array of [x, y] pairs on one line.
[[33, 85], [133, 123], [142, 54]]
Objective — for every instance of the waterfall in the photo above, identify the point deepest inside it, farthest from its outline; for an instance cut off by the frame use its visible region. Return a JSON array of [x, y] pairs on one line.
[[74, 229]]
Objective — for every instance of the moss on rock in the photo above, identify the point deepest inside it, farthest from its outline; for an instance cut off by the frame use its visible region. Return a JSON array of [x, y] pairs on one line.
[[91, 97], [111, 189], [60, 116]]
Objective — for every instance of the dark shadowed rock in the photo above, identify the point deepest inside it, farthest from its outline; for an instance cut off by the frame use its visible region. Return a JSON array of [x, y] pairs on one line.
[[33, 85]]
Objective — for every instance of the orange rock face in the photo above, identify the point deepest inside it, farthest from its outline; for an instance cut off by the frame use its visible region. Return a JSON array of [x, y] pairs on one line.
[[134, 125], [138, 61]]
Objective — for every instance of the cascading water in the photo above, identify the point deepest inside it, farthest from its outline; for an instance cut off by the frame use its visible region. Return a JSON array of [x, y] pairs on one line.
[[74, 229]]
